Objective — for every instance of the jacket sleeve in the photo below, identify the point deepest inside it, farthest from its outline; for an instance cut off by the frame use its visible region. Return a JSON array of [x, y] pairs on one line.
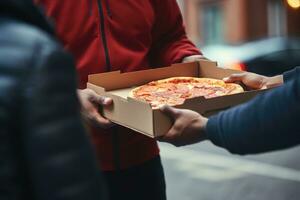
[[59, 158], [292, 74], [170, 42], [268, 122]]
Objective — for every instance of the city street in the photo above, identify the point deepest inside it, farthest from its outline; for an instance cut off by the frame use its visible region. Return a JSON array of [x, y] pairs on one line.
[[206, 172]]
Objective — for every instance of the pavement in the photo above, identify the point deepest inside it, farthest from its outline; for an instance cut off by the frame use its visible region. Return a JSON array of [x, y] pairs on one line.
[[206, 172]]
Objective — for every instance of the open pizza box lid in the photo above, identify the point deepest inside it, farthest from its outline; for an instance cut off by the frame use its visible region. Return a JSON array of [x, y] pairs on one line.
[[139, 116]]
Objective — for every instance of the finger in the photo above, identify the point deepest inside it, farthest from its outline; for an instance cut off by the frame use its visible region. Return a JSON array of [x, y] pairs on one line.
[[101, 100], [103, 123], [170, 139], [170, 111], [173, 134], [166, 138], [234, 78], [105, 101], [100, 121], [162, 139], [193, 58], [199, 58], [98, 99]]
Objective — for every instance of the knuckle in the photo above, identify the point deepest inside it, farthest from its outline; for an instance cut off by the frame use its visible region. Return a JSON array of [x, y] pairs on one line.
[[237, 75], [177, 127], [101, 99], [243, 75], [91, 97], [177, 112], [88, 92]]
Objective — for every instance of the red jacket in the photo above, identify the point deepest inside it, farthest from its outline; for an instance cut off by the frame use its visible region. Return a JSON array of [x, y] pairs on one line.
[[127, 35]]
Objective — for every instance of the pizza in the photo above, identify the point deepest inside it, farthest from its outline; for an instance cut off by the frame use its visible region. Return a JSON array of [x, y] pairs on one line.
[[174, 91]]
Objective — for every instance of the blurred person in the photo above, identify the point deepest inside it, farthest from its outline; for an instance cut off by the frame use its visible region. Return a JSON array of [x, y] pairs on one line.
[[268, 122], [45, 153], [128, 35]]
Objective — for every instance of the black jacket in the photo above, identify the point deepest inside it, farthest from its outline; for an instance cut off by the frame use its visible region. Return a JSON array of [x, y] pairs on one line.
[[44, 151], [268, 122]]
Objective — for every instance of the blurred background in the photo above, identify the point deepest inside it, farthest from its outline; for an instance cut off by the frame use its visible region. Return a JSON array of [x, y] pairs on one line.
[[254, 35]]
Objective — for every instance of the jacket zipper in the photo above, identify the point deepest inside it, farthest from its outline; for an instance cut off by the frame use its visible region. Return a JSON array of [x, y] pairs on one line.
[[115, 135], [103, 36], [109, 13]]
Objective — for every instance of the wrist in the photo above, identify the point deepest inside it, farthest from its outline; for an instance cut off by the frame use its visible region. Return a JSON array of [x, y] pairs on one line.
[[274, 81], [202, 131]]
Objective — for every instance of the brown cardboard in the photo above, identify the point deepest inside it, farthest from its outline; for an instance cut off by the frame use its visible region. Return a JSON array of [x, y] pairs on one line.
[[139, 115]]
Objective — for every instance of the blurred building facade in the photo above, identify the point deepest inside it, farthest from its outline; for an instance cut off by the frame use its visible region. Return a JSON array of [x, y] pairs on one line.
[[237, 21]]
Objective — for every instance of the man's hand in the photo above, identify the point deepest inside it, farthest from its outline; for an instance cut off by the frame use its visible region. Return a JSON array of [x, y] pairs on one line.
[[255, 81], [90, 102], [193, 58], [188, 127]]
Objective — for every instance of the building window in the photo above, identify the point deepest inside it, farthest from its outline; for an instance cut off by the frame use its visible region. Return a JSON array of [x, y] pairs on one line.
[[276, 18], [212, 24]]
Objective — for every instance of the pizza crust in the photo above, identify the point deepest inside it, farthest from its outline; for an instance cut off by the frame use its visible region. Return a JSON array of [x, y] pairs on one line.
[[237, 89]]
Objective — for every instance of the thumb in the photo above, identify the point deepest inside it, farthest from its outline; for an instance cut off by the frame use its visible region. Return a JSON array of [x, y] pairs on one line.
[[170, 111], [105, 101], [234, 78]]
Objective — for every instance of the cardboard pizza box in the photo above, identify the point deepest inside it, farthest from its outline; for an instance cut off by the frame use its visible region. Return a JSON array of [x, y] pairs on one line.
[[139, 116]]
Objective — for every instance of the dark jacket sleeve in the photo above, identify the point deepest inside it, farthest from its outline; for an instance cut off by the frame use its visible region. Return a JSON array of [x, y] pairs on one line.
[[268, 122], [170, 42], [292, 74], [59, 157]]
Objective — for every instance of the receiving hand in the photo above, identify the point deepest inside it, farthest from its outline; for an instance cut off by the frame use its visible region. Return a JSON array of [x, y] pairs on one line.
[[255, 81], [188, 127], [90, 102], [193, 58]]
